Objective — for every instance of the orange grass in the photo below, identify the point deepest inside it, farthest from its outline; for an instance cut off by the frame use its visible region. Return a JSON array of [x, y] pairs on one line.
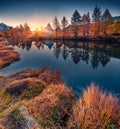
[[52, 107], [7, 55], [26, 88], [95, 110]]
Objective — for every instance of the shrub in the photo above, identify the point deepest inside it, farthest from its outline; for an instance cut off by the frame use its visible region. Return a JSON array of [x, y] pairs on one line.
[[95, 109], [52, 107]]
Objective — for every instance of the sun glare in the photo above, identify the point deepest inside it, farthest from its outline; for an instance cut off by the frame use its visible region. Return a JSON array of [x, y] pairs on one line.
[[38, 29]]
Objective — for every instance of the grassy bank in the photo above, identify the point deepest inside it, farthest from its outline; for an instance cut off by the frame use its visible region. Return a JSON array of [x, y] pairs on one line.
[[37, 99], [7, 55]]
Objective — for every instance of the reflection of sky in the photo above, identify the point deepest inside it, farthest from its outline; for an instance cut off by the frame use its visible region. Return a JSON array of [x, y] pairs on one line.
[[40, 12], [77, 76]]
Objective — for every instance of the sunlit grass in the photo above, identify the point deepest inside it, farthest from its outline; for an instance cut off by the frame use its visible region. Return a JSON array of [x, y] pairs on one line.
[[25, 88], [5, 101], [7, 55], [95, 109], [52, 107]]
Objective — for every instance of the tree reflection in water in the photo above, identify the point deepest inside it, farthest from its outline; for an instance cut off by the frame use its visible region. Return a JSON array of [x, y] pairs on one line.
[[94, 53]]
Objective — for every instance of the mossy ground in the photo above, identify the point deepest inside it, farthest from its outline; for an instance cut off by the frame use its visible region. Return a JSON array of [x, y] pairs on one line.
[[53, 105]]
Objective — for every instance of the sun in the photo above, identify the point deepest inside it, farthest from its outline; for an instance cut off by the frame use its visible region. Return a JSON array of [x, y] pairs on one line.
[[39, 29]]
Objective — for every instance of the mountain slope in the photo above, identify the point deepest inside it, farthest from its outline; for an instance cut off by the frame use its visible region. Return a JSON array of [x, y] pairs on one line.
[[116, 18], [4, 26]]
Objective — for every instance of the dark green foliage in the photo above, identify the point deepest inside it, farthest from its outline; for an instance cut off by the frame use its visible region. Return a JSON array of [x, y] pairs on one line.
[[96, 14], [76, 18], [106, 15], [106, 20], [64, 23], [76, 21]]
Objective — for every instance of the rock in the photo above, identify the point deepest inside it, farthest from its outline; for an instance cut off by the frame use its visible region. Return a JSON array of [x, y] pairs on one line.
[[30, 122]]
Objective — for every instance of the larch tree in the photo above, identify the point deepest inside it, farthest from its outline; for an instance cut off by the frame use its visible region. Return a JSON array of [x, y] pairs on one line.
[[76, 22], [116, 26], [64, 23]]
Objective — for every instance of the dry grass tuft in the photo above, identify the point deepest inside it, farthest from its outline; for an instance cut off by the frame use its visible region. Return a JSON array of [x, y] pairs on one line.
[[5, 101], [95, 109], [26, 88], [52, 107], [43, 74]]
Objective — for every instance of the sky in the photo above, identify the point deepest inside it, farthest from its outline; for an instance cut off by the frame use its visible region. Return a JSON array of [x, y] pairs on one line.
[[39, 13]]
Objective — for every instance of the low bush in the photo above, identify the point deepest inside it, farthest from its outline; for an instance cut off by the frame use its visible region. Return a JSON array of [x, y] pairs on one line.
[[95, 110], [52, 108]]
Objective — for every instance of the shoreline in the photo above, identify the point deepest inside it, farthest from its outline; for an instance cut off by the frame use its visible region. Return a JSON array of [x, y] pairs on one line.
[[40, 97], [5, 58], [110, 39]]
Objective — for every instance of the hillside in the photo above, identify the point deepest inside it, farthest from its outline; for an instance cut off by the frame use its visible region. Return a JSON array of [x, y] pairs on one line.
[[116, 18]]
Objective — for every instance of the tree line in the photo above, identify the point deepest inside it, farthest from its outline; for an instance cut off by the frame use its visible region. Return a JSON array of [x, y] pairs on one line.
[[97, 24], [86, 25]]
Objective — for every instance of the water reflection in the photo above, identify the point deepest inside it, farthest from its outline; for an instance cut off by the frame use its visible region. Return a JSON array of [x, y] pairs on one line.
[[95, 53], [80, 63]]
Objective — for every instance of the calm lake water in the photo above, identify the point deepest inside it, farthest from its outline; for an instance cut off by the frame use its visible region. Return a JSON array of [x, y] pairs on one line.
[[80, 63]]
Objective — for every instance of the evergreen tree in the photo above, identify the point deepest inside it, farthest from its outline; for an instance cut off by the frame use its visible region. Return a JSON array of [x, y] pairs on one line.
[[76, 21], [56, 25], [88, 25], [64, 23], [85, 23], [49, 27], [96, 19], [88, 15], [107, 20], [106, 15], [96, 14]]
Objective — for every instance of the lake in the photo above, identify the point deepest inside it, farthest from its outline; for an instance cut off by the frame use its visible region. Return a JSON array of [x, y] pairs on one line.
[[80, 63]]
